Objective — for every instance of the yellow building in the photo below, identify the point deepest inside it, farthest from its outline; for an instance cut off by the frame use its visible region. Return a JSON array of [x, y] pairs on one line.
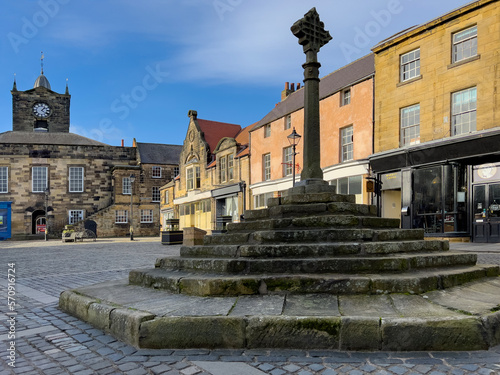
[[211, 188], [437, 134]]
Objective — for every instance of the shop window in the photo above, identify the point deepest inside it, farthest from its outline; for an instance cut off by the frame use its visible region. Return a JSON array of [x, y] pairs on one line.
[[464, 44], [463, 111], [348, 185], [439, 199], [410, 125]]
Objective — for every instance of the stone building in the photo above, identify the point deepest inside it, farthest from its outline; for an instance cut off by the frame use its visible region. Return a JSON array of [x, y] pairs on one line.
[[212, 185], [436, 129], [49, 173], [346, 126]]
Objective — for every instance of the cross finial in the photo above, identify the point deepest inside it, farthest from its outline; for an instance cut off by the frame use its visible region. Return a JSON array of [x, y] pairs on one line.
[[311, 32]]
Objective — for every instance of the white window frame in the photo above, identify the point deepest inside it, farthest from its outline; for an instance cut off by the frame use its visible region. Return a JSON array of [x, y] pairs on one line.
[[409, 65], [463, 111], [267, 130], [288, 122], [156, 196], [167, 197], [156, 171], [74, 216], [75, 179], [38, 175], [126, 186], [4, 179], [347, 143], [464, 44], [223, 169], [266, 167], [288, 161], [121, 216], [230, 167], [410, 125], [346, 97], [146, 216]]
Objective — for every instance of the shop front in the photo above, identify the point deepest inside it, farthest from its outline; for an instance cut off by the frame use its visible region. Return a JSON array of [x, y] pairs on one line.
[[449, 188]]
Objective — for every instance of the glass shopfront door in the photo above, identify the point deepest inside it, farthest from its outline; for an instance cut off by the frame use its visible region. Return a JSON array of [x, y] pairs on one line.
[[486, 211]]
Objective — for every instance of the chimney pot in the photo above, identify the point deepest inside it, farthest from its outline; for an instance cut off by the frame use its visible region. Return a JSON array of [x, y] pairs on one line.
[[298, 85], [287, 85], [123, 144], [292, 88]]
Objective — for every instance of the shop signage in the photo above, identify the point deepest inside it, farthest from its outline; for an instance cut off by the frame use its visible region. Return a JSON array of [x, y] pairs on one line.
[[391, 181]]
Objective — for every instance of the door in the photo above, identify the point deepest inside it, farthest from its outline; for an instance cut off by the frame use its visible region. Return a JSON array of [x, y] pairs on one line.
[[486, 211]]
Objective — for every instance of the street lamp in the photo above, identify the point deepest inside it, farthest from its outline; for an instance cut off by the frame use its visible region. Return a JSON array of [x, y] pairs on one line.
[[294, 140], [46, 212], [132, 179]]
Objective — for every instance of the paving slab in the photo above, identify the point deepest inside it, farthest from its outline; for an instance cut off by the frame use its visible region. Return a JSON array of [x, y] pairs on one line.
[[255, 305]]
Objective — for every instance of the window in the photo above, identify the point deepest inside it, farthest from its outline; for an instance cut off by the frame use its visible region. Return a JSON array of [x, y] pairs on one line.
[[464, 44], [410, 125], [146, 216], [39, 179], [4, 179], [287, 161], [156, 194], [346, 97], [266, 167], [75, 216], [288, 122], [75, 179], [167, 197], [410, 65], [121, 216], [267, 131], [348, 185], [222, 169], [176, 171], [230, 167], [463, 111], [260, 200], [126, 186], [347, 143], [193, 177], [156, 172]]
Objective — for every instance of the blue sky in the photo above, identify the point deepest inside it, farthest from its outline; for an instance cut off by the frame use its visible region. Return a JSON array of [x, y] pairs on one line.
[[135, 68]]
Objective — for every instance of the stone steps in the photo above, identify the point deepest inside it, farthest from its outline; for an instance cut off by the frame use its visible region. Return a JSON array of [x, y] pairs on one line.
[[342, 221], [301, 250], [349, 265], [206, 284], [314, 236]]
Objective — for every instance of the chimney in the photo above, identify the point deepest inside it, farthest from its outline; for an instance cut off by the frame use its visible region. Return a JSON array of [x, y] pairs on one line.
[[292, 88], [123, 144], [134, 143], [286, 91], [298, 85]]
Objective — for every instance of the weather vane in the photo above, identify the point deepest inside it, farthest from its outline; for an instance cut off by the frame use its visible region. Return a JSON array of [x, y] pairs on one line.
[[41, 61]]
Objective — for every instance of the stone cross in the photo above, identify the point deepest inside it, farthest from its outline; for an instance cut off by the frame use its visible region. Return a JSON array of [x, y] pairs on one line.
[[312, 36]]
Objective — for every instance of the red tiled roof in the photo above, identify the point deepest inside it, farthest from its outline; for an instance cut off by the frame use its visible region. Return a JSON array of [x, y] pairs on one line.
[[214, 131]]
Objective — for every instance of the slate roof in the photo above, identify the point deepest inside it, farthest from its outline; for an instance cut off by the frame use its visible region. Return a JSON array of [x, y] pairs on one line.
[[155, 153], [344, 77], [214, 131], [48, 138]]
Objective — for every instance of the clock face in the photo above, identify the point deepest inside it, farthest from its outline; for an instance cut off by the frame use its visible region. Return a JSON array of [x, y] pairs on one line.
[[41, 110]]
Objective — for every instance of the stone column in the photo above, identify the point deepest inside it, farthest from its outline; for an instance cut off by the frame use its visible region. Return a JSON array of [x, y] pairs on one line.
[[312, 36]]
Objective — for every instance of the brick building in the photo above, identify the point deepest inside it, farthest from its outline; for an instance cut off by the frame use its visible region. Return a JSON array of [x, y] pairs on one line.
[[437, 134], [49, 173], [346, 126], [213, 173]]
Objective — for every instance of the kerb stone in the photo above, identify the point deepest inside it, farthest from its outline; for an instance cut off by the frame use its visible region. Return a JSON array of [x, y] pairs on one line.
[[99, 315], [75, 304], [193, 332], [125, 324]]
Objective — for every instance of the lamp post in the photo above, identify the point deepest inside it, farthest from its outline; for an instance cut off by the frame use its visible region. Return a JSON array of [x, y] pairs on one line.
[[132, 179], [294, 140], [46, 212]]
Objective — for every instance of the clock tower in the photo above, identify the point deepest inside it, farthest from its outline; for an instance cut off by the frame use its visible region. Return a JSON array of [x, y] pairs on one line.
[[40, 109]]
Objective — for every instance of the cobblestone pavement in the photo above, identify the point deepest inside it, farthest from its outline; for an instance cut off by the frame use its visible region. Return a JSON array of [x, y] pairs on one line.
[[49, 341]]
